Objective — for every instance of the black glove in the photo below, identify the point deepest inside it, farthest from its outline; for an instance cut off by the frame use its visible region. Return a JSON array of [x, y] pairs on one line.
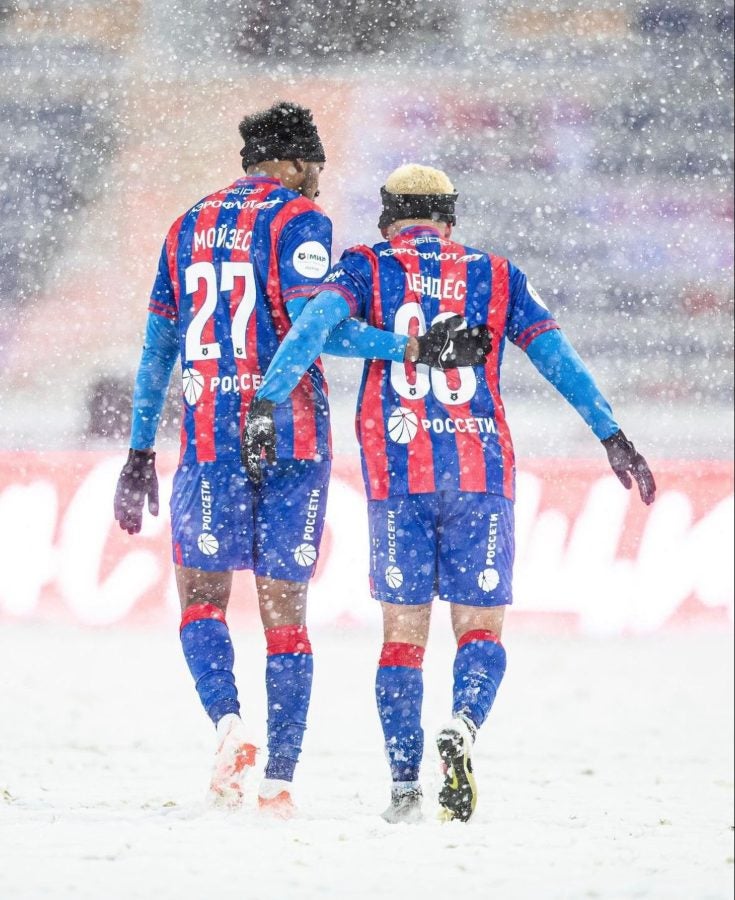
[[136, 482], [450, 343], [625, 461], [258, 437]]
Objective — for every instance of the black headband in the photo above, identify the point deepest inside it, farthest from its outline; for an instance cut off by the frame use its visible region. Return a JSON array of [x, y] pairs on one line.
[[258, 148], [439, 207]]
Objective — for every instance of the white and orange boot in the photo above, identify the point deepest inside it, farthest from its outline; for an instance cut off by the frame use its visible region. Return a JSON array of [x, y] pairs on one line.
[[274, 798], [234, 760]]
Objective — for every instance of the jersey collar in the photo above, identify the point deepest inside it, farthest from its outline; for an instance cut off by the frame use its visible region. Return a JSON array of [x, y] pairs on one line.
[[416, 230], [261, 179]]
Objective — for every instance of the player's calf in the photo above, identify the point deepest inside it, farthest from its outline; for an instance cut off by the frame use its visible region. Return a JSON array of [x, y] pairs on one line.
[[288, 678], [399, 690], [479, 667], [207, 646]]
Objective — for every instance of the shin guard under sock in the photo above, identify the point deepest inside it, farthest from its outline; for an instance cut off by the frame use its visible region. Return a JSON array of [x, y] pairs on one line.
[[399, 691], [479, 667], [288, 677], [205, 639]]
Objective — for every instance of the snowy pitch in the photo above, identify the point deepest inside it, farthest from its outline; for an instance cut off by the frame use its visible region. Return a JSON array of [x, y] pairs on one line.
[[605, 771]]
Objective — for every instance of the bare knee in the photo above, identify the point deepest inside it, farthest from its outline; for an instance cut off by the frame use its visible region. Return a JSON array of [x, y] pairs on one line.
[[406, 624], [196, 586], [281, 602], [475, 618]]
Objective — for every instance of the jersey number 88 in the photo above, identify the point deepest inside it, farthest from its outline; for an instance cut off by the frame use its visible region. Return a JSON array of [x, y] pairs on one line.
[[463, 380]]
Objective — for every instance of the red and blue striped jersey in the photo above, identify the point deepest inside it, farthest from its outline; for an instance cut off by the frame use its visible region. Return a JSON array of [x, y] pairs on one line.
[[228, 267], [420, 429]]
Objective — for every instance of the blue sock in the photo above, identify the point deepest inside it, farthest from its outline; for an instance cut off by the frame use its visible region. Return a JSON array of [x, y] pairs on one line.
[[479, 667], [399, 691], [288, 676], [205, 639]]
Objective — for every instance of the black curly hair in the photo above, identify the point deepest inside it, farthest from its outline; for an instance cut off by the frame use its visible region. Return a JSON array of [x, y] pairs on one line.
[[284, 131]]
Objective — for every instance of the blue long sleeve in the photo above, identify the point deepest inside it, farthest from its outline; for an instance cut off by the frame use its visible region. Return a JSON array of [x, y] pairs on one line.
[[160, 350], [358, 339], [301, 346], [355, 338], [556, 359]]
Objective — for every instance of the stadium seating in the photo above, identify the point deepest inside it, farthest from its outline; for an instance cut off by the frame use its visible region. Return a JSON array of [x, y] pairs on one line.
[[590, 143]]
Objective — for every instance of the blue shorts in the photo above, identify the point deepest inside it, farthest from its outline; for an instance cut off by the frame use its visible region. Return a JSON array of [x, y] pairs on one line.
[[220, 521], [456, 545]]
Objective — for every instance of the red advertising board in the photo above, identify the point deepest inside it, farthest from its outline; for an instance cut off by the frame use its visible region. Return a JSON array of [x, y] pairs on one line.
[[589, 554]]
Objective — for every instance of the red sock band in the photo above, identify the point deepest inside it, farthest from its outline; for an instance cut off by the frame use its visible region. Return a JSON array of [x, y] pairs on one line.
[[479, 634], [200, 611], [287, 639], [397, 654]]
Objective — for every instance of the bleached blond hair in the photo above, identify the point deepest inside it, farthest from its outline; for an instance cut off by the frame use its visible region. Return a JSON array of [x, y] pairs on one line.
[[415, 179]]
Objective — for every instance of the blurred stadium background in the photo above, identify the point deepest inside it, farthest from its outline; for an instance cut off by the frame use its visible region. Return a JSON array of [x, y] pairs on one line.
[[591, 143]]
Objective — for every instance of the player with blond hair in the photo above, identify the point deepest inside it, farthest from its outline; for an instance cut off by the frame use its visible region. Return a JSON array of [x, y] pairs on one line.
[[437, 460]]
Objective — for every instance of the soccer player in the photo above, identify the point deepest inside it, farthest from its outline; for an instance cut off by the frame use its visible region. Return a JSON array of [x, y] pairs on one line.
[[233, 272], [437, 461]]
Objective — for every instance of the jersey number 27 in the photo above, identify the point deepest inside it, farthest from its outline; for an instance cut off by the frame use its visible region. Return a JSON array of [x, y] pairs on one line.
[[231, 272]]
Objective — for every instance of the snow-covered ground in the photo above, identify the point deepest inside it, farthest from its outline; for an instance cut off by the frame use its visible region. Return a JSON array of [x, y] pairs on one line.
[[605, 771]]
